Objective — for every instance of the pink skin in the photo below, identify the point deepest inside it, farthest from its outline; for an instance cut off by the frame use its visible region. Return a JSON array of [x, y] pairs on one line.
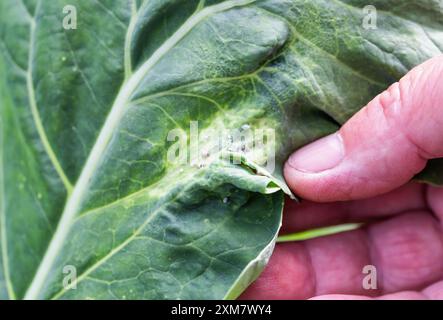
[[361, 174]]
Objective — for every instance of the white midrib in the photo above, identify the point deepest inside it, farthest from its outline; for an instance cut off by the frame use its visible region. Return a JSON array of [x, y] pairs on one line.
[[117, 111], [128, 40]]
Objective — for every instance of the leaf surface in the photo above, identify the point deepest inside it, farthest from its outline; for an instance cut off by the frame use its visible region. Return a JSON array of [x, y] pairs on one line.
[[85, 115]]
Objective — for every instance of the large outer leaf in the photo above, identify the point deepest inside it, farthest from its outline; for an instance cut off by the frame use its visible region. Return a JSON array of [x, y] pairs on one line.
[[85, 114]]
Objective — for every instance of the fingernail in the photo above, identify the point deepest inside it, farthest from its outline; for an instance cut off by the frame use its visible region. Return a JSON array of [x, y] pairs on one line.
[[321, 155]]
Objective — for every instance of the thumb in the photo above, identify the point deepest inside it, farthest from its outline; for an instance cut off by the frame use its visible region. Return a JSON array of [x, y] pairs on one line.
[[379, 149]]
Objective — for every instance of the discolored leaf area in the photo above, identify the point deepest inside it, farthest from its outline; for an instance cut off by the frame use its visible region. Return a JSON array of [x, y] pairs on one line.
[[85, 114]]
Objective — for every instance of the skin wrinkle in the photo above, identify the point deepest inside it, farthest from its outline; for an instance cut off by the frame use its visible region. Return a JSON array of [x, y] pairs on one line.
[[434, 85], [388, 283], [311, 268], [345, 277], [373, 253], [372, 258], [417, 82], [433, 202], [425, 198], [391, 102], [438, 234], [401, 89]]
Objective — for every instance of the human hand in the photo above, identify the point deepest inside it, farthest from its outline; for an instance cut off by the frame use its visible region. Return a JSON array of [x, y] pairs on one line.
[[366, 166]]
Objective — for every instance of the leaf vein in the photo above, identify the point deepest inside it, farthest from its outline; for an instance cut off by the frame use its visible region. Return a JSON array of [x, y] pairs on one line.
[[35, 113]]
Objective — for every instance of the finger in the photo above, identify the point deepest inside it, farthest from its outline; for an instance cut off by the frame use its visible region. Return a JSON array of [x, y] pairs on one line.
[[407, 252], [379, 149], [308, 215]]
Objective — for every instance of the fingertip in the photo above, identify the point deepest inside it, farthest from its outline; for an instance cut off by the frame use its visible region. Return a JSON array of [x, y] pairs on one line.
[[313, 187]]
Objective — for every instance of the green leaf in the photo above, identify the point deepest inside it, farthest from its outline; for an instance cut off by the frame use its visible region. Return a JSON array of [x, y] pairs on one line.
[[85, 180]]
